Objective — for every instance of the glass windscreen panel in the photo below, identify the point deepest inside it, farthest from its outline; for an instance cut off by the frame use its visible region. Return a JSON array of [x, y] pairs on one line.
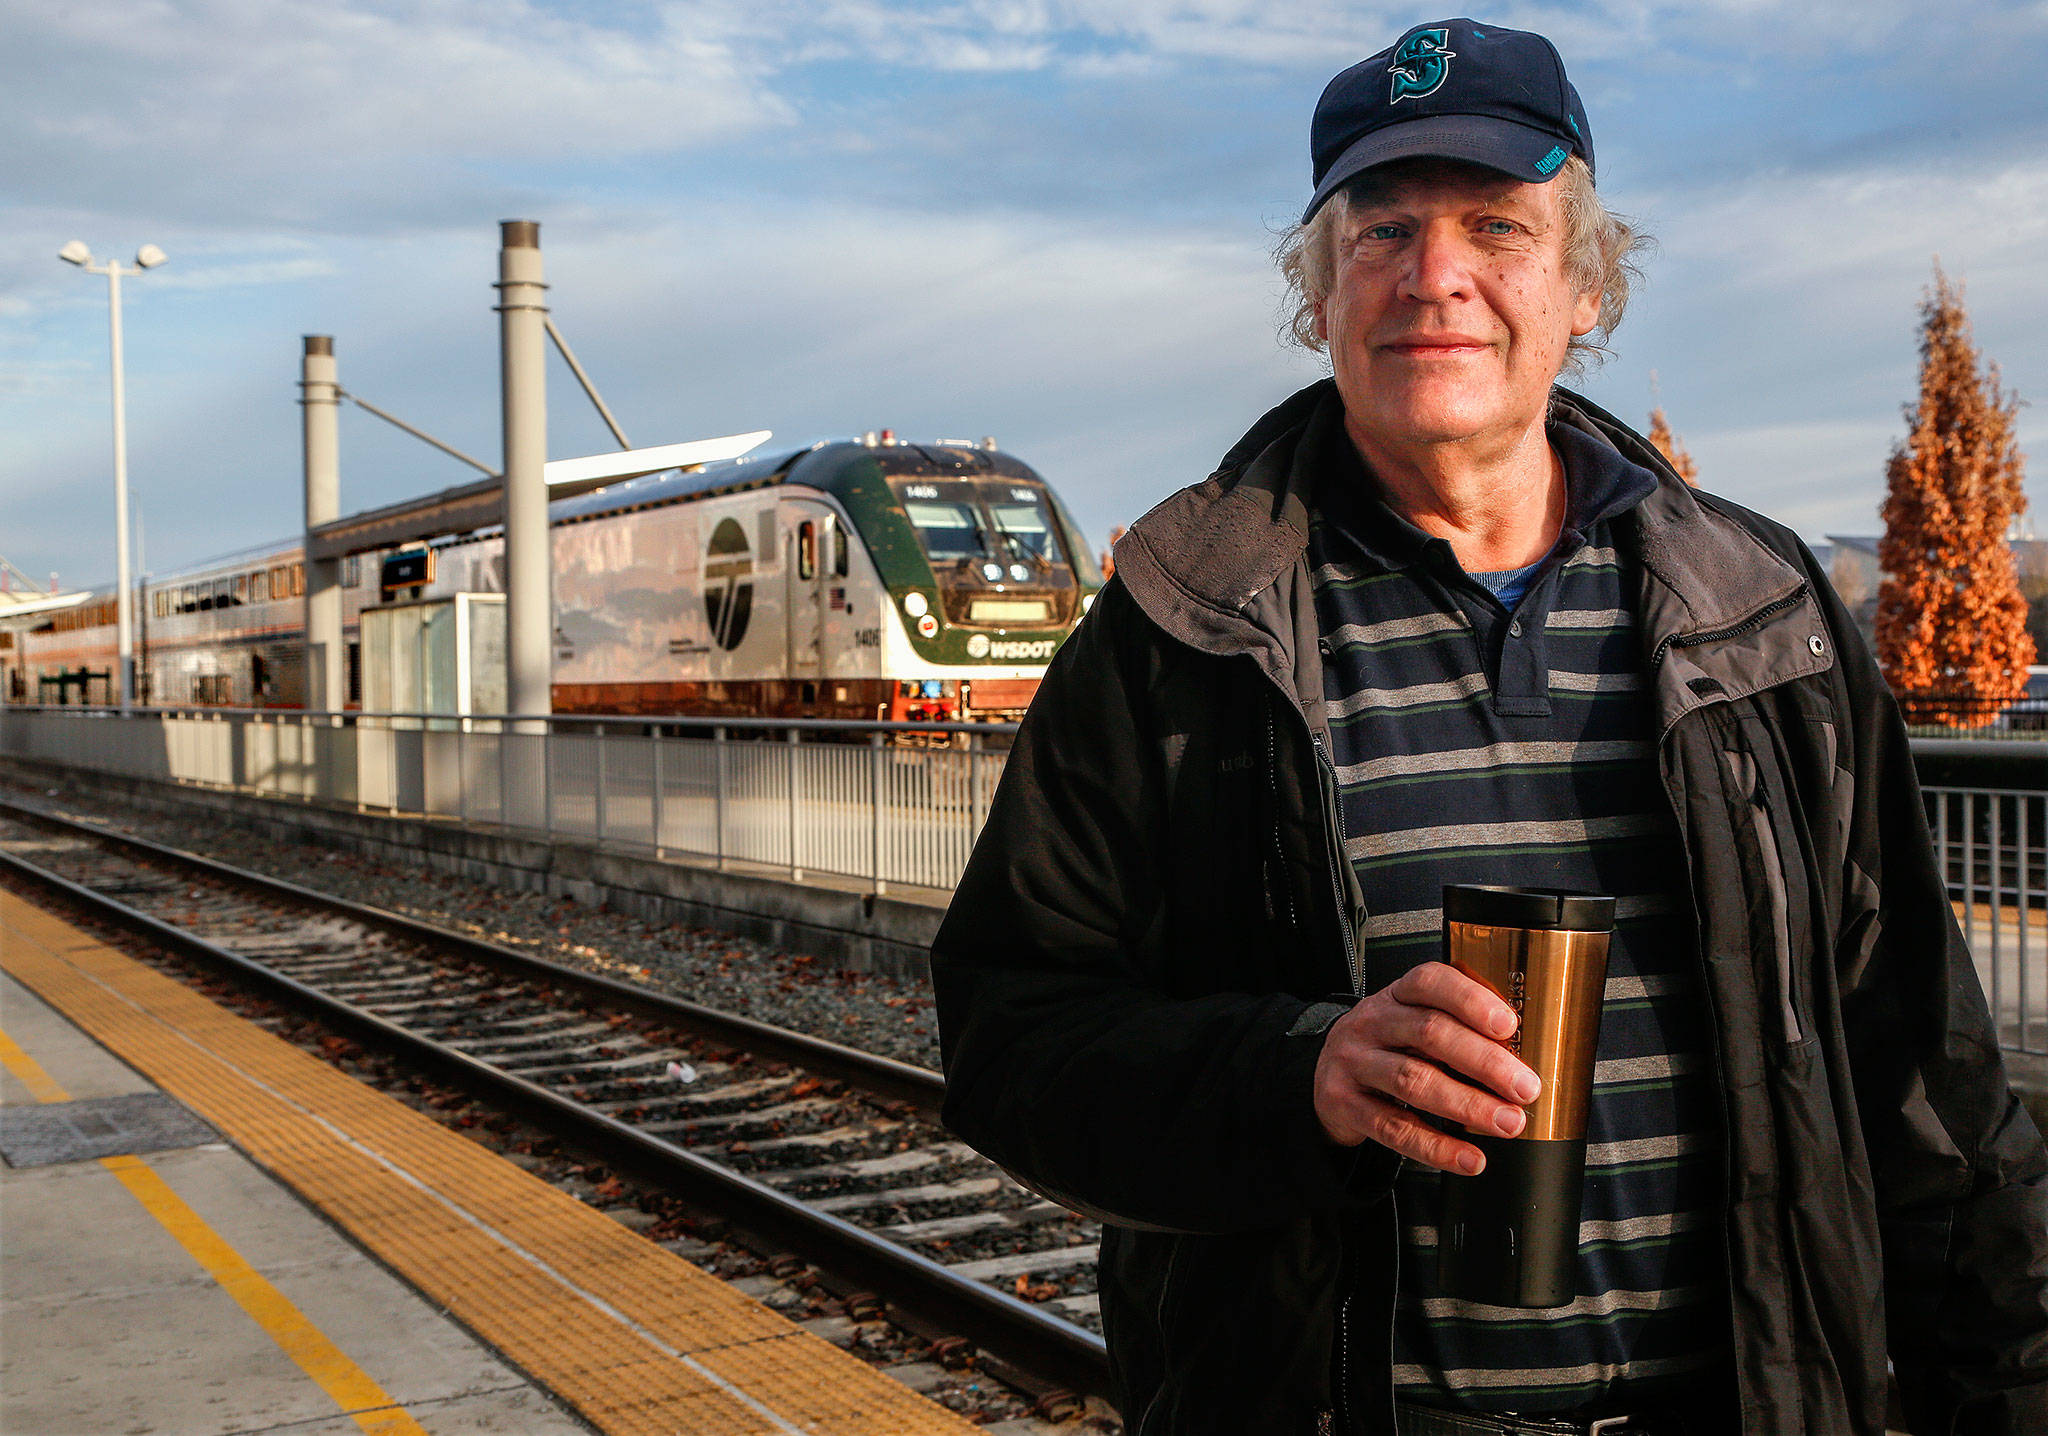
[[948, 528], [985, 520]]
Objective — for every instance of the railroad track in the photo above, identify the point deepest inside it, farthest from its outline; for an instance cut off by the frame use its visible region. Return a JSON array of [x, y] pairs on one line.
[[828, 1152]]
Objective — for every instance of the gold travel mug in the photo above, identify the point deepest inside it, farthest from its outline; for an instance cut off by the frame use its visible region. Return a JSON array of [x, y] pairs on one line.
[[1510, 1236]]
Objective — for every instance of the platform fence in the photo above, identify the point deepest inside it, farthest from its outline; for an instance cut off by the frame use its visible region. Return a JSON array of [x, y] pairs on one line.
[[879, 803]]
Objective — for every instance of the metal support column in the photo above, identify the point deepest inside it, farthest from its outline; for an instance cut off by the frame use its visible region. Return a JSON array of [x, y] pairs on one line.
[[124, 598], [796, 870], [654, 761], [718, 791], [529, 618], [597, 796], [876, 760], [522, 335], [320, 422]]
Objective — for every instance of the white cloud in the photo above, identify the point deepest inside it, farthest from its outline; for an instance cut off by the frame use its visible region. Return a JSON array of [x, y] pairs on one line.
[[294, 92], [1094, 37], [242, 274], [1782, 316]]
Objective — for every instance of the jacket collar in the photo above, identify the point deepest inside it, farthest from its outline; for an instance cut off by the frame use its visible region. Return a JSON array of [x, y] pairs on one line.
[[1221, 566]]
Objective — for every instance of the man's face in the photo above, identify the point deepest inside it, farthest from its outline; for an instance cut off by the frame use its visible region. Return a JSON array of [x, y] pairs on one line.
[[1449, 313]]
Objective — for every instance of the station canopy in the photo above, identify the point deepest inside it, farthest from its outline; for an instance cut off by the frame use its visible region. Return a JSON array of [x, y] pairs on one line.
[[469, 507]]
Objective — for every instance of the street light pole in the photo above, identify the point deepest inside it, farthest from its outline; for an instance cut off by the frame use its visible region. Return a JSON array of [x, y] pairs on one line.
[[124, 615], [148, 257]]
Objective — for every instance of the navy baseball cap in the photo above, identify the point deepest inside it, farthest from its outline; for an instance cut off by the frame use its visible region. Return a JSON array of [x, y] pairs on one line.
[[1451, 89]]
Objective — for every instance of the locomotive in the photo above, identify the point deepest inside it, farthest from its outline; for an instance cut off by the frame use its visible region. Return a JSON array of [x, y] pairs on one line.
[[866, 578]]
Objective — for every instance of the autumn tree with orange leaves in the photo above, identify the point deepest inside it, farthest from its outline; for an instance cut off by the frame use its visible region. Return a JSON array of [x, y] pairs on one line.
[[1672, 447], [1951, 622]]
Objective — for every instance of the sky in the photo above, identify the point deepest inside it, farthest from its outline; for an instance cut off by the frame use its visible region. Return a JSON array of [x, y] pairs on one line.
[[1049, 221]]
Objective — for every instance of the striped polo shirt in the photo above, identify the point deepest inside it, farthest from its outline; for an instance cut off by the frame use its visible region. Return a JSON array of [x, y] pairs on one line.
[[1474, 744]]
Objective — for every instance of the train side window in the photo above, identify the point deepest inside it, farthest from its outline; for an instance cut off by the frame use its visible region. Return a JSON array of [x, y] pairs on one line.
[[241, 588], [259, 586], [157, 606], [838, 550], [807, 550], [223, 593], [277, 588], [298, 579]]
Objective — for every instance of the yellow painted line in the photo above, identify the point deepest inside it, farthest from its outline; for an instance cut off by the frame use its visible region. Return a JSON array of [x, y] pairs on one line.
[[41, 1085], [638, 1340], [352, 1388]]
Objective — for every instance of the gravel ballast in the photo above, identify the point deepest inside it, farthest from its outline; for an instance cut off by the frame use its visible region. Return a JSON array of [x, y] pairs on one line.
[[877, 1012]]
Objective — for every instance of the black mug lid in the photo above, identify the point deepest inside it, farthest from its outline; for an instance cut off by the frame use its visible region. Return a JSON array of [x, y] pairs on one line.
[[1528, 907]]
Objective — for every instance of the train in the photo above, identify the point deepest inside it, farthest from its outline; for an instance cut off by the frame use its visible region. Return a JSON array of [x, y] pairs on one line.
[[867, 578]]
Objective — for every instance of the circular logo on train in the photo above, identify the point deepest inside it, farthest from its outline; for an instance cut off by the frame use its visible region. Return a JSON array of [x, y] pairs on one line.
[[728, 583], [977, 645]]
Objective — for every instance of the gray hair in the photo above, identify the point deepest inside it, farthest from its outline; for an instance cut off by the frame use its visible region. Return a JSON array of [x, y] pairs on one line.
[[1601, 252]]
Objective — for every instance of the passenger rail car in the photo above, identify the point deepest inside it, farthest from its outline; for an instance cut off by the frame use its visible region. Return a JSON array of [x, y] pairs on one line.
[[857, 579], [227, 633]]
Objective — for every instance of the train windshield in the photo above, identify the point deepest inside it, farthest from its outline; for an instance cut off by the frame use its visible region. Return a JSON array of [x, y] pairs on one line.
[[969, 520], [949, 528]]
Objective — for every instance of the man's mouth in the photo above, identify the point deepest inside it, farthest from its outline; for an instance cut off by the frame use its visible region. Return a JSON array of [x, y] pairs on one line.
[[1435, 346]]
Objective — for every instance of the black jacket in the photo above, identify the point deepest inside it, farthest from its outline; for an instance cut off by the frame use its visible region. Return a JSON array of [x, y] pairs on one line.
[[1135, 973]]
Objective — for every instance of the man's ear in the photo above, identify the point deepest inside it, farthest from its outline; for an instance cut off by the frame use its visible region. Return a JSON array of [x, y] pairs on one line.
[[1586, 313], [1322, 324]]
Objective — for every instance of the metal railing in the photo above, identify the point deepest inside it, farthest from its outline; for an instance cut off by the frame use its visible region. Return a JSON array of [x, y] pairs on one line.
[[1993, 846], [880, 802], [1966, 715]]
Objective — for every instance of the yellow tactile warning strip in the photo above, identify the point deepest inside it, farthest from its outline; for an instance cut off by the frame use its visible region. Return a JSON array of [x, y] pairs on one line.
[[352, 1388], [631, 1335]]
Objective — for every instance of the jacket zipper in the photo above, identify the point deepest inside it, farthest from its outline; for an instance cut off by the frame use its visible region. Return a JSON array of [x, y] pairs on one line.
[[1279, 851], [1715, 635], [1714, 1026], [1334, 831], [1344, 1363]]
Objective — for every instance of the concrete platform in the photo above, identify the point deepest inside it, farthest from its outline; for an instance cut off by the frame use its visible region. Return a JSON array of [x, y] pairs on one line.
[[109, 1323]]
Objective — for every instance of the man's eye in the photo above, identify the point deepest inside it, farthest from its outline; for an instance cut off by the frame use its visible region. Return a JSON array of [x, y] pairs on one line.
[[1499, 226], [1382, 231]]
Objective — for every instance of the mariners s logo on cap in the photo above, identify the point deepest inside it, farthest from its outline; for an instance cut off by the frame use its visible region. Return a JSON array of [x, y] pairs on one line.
[[1512, 109], [1421, 65]]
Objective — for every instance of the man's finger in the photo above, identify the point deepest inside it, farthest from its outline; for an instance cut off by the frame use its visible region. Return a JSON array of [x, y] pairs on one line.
[[1439, 985], [1438, 1035], [1368, 1119], [1415, 1082]]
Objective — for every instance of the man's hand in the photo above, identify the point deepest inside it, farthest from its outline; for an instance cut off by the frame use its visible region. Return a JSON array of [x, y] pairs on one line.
[[1393, 1055]]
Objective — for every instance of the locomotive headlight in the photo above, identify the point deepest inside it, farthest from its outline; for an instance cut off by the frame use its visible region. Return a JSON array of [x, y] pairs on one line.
[[993, 572], [1018, 573], [914, 604]]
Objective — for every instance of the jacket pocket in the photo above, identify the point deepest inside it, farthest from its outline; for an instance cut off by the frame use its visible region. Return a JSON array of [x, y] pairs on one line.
[[1741, 768]]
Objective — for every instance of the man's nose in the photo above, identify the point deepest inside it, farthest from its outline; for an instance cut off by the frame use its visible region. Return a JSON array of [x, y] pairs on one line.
[[1439, 264]]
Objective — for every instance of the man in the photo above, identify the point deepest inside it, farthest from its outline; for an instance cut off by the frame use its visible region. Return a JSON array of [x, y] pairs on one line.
[[1435, 620]]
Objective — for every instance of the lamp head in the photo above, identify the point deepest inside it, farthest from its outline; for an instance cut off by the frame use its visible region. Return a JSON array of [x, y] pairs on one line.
[[149, 256], [75, 253]]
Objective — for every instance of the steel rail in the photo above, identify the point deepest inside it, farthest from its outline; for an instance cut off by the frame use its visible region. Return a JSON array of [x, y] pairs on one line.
[[1047, 1347], [882, 1076]]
